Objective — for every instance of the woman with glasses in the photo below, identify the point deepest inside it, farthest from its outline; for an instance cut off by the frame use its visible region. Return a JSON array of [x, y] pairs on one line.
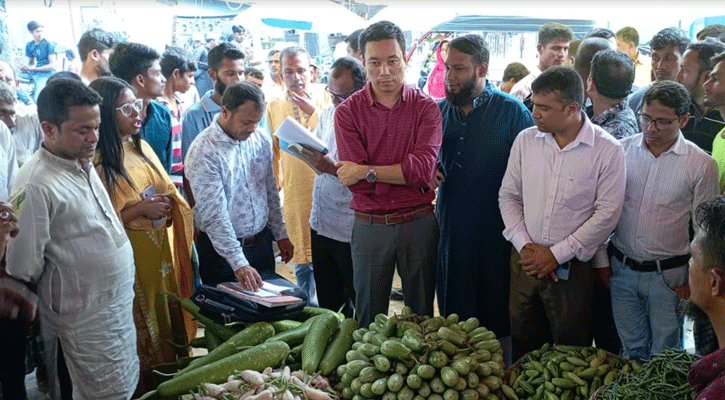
[[158, 222]]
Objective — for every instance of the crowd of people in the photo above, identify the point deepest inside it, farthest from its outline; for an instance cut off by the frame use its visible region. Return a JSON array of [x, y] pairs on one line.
[[578, 209]]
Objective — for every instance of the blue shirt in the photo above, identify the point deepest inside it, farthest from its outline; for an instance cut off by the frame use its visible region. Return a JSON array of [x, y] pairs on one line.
[[197, 118], [156, 131], [40, 52]]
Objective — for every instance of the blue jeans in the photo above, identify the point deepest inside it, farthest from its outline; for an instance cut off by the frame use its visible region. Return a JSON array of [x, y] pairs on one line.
[[644, 305], [306, 280]]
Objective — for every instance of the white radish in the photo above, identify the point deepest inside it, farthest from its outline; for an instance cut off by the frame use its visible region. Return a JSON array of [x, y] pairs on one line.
[[246, 395], [299, 375], [254, 378], [316, 394], [297, 381], [286, 374], [214, 390], [234, 385], [263, 395], [287, 395]]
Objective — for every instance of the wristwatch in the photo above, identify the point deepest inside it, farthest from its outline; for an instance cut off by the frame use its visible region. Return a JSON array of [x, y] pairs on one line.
[[371, 176]]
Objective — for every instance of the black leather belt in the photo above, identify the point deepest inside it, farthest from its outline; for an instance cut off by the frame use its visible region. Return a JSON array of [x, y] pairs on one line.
[[649, 266], [249, 241]]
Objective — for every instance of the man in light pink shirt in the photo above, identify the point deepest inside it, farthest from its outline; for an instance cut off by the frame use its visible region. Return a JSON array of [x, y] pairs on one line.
[[560, 198], [388, 136]]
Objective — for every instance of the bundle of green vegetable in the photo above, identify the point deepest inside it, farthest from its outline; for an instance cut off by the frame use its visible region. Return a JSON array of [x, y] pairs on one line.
[[563, 373], [407, 357], [664, 377]]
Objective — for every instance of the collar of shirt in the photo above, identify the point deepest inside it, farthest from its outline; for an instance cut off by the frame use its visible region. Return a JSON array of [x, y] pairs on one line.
[[68, 165], [371, 98], [483, 97], [610, 113], [585, 135], [680, 147], [209, 105]]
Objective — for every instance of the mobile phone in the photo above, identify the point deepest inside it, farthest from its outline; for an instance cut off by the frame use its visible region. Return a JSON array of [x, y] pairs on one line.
[[562, 271], [150, 191]]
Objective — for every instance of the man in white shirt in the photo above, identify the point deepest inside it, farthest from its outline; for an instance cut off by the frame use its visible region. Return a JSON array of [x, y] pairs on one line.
[[553, 48], [74, 247], [560, 198], [238, 211], [22, 121], [331, 218], [667, 178], [8, 162]]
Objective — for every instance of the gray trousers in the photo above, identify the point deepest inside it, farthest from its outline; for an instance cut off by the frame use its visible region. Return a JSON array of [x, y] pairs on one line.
[[376, 251]]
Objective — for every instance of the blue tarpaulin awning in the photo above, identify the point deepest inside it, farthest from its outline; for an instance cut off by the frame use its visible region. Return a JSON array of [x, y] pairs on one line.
[[472, 23]]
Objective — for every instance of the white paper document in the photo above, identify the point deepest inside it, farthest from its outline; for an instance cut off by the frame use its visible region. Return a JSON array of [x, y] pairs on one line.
[[292, 131]]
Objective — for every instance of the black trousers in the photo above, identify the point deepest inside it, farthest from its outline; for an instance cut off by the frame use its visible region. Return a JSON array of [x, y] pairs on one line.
[[13, 342], [215, 269], [332, 266]]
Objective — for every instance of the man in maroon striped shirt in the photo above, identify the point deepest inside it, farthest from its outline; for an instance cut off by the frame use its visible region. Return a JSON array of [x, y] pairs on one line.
[[388, 136]]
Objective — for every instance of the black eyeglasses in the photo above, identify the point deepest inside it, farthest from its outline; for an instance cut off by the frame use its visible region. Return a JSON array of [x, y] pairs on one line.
[[660, 123], [340, 97], [128, 108]]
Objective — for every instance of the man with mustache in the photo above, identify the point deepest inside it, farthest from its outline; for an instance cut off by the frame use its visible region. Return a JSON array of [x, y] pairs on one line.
[[303, 102], [553, 48], [668, 46], [72, 244], [479, 128]]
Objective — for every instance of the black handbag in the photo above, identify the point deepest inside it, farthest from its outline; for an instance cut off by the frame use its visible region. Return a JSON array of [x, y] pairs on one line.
[[223, 308]]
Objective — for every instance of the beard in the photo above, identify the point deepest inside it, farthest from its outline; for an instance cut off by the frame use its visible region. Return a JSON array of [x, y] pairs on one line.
[[219, 86], [464, 96]]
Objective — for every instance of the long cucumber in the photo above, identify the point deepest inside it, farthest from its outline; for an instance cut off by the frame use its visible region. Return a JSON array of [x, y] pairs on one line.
[[295, 336], [339, 345], [316, 340], [257, 358], [252, 336]]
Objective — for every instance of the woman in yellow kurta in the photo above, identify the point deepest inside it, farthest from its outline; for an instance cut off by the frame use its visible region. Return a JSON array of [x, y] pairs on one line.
[[158, 222]]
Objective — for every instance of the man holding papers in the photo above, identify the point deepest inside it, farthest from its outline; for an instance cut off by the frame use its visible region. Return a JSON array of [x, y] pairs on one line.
[[238, 211], [301, 102]]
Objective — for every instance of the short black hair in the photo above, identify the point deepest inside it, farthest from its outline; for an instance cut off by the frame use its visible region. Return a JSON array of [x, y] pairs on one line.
[[718, 58], [713, 31], [670, 94], [354, 40], [33, 25], [613, 73], [628, 34], [352, 64], [603, 33], [254, 73], [670, 37], [130, 60], [176, 58], [553, 30], [381, 31], [95, 39], [587, 49], [293, 51], [515, 70], [60, 95], [563, 81], [706, 50], [221, 51], [272, 52], [473, 45], [64, 75], [241, 92], [238, 28], [710, 218]]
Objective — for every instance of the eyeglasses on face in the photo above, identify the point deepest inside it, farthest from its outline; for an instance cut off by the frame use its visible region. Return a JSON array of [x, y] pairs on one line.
[[660, 123], [128, 108], [340, 97]]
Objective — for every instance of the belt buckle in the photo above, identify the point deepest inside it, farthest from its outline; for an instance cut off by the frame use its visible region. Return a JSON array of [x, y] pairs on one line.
[[387, 219]]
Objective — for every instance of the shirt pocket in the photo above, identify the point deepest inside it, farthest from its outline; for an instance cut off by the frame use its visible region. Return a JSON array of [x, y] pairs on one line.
[[579, 192]]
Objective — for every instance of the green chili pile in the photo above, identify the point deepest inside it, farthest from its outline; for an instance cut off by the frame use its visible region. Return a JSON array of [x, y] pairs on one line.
[[664, 377]]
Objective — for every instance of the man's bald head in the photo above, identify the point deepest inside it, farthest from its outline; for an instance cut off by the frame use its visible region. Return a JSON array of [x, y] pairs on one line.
[[587, 49], [7, 75]]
